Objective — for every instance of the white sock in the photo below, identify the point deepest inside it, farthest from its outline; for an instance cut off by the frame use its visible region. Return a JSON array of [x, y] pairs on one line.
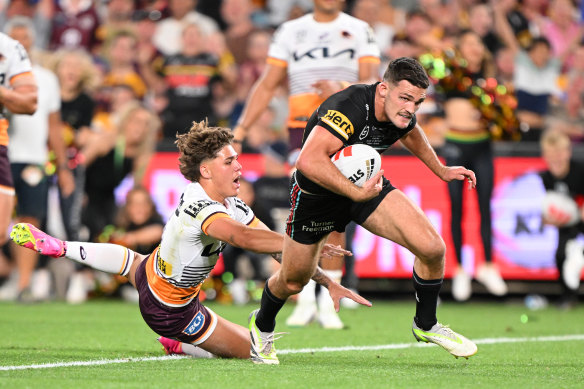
[[195, 351], [107, 257], [306, 295], [334, 275]]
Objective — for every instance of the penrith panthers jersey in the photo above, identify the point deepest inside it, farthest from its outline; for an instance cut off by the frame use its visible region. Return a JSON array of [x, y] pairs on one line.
[[349, 115], [314, 51], [187, 254]]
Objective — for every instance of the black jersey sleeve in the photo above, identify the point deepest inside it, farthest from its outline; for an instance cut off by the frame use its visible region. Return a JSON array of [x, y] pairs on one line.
[[343, 113]]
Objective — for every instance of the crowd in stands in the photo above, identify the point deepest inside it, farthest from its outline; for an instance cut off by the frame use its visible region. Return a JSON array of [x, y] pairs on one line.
[[134, 73]]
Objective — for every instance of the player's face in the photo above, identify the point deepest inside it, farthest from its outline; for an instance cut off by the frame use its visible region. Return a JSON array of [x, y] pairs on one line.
[[557, 159], [225, 171], [402, 101], [329, 6]]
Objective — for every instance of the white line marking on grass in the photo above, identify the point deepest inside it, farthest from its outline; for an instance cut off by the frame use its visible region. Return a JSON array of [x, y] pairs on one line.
[[395, 346]]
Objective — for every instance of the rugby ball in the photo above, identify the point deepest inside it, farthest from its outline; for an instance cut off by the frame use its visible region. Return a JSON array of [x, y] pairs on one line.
[[559, 206], [357, 162]]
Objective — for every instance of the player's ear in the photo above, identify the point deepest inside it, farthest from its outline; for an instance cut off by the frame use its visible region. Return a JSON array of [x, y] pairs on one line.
[[205, 171], [383, 89]]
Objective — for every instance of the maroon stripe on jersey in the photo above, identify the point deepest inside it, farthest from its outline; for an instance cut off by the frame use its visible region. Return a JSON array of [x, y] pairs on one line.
[[293, 200]]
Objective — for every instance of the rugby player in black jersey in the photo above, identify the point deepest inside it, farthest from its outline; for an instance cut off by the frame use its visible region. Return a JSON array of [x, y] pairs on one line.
[[323, 200]]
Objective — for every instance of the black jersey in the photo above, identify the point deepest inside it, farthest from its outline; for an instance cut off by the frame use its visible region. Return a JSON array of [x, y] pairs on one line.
[[572, 185], [350, 116]]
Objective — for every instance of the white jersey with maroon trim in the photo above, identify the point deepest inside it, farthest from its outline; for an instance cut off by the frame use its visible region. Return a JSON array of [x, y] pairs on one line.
[[314, 51], [187, 254], [14, 61]]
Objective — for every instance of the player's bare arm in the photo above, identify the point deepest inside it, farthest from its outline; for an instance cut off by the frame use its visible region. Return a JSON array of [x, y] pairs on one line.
[[22, 97], [249, 238], [315, 163], [417, 143], [259, 98]]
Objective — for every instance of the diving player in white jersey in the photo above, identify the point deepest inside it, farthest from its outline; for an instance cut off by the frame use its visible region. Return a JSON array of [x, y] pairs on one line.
[[320, 53], [168, 280]]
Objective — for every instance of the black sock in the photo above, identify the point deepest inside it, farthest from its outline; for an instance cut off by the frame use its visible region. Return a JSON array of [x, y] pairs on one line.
[[269, 308], [426, 301]]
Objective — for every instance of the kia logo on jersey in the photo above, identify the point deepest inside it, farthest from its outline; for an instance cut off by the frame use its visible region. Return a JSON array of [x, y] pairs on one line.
[[323, 52]]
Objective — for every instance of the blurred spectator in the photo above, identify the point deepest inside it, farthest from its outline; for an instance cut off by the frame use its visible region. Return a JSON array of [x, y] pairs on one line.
[[563, 30], [565, 176], [167, 37], [138, 224], [279, 11], [74, 25], [189, 76], [370, 12], [104, 120], [28, 153], [480, 17], [78, 77], [41, 11], [116, 15], [468, 143], [535, 78], [237, 16], [120, 51], [524, 17], [251, 70], [126, 151]]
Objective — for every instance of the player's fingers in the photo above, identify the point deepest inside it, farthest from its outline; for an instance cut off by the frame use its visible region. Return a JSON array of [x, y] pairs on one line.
[[358, 299]]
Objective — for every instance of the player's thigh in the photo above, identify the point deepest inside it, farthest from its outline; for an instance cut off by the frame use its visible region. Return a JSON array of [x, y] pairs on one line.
[[228, 340], [398, 219], [138, 258], [6, 206]]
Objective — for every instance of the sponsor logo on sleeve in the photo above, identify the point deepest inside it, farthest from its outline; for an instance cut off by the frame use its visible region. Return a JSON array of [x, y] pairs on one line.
[[195, 325], [339, 123]]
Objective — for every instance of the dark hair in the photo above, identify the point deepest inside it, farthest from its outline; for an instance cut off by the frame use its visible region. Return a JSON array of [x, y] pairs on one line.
[[540, 40], [200, 143], [409, 69]]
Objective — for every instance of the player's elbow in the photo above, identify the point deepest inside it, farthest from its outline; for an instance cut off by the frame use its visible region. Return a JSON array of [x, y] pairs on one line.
[[30, 106]]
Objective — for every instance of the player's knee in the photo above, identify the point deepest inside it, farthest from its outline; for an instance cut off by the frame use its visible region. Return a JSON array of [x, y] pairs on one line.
[[433, 250]]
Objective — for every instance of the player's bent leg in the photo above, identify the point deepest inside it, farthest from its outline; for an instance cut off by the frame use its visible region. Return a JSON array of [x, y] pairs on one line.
[[397, 218], [228, 340], [299, 262]]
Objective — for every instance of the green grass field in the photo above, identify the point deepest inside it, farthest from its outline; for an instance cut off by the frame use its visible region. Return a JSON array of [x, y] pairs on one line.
[[547, 351]]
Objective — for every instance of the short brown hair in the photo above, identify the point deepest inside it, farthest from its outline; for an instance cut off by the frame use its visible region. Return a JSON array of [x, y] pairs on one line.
[[409, 69], [200, 143]]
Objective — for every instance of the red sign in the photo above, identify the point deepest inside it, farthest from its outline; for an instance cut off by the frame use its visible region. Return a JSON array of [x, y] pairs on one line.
[[523, 247]]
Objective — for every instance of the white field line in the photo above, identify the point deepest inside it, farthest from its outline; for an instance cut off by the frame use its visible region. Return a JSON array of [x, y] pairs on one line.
[[395, 346]]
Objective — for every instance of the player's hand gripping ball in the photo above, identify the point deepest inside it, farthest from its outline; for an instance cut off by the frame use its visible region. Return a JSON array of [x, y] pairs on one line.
[[560, 209], [357, 162]]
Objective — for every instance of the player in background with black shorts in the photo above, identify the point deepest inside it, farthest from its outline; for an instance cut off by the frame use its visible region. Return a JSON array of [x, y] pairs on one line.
[[319, 54], [18, 94], [323, 200], [168, 281]]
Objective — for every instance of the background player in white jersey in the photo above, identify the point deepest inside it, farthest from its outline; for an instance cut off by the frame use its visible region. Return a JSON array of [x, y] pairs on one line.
[[168, 280], [18, 94], [320, 53]]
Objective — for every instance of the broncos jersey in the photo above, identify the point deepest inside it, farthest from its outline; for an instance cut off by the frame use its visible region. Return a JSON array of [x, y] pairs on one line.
[[14, 62], [313, 51], [349, 115], [187, 254]]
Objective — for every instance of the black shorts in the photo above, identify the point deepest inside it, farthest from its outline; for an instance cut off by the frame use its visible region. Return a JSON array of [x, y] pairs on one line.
[[313, 216], [32, 190], [6, 183], [193, 323]]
